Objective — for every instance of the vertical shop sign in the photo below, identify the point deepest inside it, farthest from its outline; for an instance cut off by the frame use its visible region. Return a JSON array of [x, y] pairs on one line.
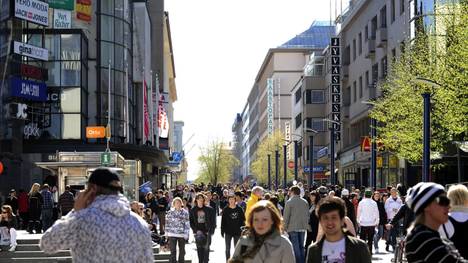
[[336, 85], [270, 106], [62, 18], [287, 138], [84, 10]]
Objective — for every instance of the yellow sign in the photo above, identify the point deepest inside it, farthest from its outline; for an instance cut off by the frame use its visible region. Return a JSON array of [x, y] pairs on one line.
[[93, 132], [379, 162]]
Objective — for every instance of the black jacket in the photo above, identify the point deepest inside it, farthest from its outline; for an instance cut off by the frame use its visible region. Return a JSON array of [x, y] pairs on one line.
[[232, 220], [208, 217], [382, 213], [405, 213], [350, 211], [356, 251]]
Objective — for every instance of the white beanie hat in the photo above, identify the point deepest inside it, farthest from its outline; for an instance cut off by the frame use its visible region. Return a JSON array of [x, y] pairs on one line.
[[422, 194], [345, 192]]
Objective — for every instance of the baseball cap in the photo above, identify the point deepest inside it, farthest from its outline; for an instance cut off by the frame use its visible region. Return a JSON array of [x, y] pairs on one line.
[[368, 193], [345, 192], [105, 177]]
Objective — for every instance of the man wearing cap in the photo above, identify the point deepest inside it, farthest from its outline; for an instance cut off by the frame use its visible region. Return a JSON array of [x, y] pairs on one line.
[[101, 228], [368, 218], [423, 243]]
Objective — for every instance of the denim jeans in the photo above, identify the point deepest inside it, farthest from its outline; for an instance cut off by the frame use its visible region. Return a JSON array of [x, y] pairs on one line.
[[391, 240], [203, 250], [378, 235], [173, 247], [297, 240], [47, 218], [227, 241]]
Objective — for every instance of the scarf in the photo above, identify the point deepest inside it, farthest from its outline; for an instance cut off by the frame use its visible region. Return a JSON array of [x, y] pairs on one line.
[[250, 252]]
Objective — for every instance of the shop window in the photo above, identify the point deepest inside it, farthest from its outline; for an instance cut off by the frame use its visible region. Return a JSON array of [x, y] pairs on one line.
[[71, 73], [107, 28], [70, 100], [298, 120], [107, 7], [52, 44], [53, 73], [71, 125], [71, 48]]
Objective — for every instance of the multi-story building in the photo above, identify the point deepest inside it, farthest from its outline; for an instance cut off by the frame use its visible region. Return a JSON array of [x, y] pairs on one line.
[[70, 52], [236, 145]]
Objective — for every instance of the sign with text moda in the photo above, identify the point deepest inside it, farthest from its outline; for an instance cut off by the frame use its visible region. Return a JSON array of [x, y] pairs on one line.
[[34, 11]]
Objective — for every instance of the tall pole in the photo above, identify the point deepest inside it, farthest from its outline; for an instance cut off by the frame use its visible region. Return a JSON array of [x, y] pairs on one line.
[[295, 160], [373, 178], [332, 155], [285, 169], [426, 137], [311, 160], [459, 164], [276, 168], [269, 172], [109, 109]]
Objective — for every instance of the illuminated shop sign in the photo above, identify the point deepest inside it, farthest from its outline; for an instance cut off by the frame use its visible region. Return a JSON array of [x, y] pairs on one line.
[[28, 89], [29, 71], [33, 11]]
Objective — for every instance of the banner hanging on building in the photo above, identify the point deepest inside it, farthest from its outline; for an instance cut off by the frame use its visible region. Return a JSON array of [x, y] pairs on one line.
[[28, 89], [163, 121], [30, 51], [34, 11], [146, 121], [62, 18], [270, 106], [287, 137], [336, 85]]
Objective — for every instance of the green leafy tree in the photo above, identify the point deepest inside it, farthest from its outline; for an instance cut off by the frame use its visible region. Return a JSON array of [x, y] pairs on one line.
[[216, 163], [441, 56], [259, 166]]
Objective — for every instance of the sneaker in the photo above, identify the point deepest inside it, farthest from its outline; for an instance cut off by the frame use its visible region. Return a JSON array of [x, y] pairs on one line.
[[12, 248]]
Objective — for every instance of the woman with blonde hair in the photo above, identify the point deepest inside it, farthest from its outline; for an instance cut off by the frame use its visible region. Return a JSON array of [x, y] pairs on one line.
[[262, 240], [456, 228], [8, 225], [35, 208]]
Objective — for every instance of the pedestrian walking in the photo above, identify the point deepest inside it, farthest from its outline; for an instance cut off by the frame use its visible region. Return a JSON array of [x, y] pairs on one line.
[[392, 205], [255, 196], [161, 211], [203, 225], [456, 228], [101, 227], [8, 226], [262, 241], [350, 209], [66, 201], [240, 200], [177, 230], [314, 199], [431, 205], [382, 220], [12, 201], [47, 208], [296, 222], [23, 208], [368, 218], [336, 246], [34, 209], [232, 221]]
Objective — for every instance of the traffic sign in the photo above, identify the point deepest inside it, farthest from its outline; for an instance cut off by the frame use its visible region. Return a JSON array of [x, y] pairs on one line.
[[93, 132], [105, 158], [291, 164]]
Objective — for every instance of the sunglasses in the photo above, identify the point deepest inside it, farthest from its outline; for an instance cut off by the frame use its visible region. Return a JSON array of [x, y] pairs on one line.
[[442, 200]]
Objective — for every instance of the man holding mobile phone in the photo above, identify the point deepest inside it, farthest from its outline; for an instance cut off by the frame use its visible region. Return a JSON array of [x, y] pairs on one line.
[[101, 227]]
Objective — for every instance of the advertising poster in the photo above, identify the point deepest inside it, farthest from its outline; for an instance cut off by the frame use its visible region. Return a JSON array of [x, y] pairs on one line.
[[33, 11]]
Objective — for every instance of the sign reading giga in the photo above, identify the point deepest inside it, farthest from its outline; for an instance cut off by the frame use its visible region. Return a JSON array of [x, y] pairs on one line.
[[30, 51], [34, 11]]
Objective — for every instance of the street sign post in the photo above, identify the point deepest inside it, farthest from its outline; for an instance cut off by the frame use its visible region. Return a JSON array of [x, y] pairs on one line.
[[105, 158]]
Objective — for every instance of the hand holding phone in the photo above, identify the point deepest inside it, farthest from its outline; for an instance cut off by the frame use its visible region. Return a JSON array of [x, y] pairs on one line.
[[84, 198]]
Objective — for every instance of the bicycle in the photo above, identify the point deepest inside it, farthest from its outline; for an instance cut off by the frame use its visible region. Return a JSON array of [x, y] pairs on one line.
[[399, 253]]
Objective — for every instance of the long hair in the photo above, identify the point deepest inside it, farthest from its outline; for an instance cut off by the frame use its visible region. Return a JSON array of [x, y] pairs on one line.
[[8, 210], [265, 205], [34, 188]]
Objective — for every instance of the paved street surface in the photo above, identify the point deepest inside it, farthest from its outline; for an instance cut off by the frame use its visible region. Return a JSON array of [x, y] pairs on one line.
[[217, 247]]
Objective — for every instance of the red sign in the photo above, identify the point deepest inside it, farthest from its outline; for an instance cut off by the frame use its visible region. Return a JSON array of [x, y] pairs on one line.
[[32, 72], [365, 144], [1, 167], [290, 164], [84, 10]]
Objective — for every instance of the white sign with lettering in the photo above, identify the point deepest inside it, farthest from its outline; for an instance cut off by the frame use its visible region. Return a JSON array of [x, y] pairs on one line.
[[32, 10], [21, 113], [270, 106], [31, 129], [62, 18], [30, 51]]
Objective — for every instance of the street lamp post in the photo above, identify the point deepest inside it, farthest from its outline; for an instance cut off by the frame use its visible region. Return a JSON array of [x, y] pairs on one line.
[[426, 126], [295, 160], [332, 150], [276, 168], [311, 155], [285, 169], [269, 172], [373, 130]]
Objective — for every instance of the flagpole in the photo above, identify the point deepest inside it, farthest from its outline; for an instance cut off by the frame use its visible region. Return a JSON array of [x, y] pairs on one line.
[[150, 110], [109, 108], [143, 107], [127, 128]]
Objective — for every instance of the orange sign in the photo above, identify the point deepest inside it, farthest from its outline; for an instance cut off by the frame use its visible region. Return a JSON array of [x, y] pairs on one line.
[[365, 144], [93, 132]]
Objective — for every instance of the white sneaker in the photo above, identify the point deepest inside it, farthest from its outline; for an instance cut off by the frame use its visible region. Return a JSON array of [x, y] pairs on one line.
[[12, 248], [377, 251]]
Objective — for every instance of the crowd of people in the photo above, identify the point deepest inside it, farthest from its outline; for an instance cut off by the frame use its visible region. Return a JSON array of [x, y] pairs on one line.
[[328, 224]]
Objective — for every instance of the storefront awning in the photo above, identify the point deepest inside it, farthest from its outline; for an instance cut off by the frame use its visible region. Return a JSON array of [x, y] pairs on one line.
[[54, 166]]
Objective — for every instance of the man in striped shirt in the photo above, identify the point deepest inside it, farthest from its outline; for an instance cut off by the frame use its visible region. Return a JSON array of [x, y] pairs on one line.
[[423, 243]]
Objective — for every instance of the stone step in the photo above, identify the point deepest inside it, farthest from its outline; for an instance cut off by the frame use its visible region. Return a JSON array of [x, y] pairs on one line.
[[30, 254], [28, 247], [28, 241], [37, 260]]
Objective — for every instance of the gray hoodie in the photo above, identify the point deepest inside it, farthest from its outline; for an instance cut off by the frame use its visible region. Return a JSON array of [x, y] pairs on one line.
[[105, 231]]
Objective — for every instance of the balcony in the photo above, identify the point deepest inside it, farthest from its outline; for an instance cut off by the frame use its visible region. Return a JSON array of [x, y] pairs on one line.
[[381, 40], [370, 48]]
